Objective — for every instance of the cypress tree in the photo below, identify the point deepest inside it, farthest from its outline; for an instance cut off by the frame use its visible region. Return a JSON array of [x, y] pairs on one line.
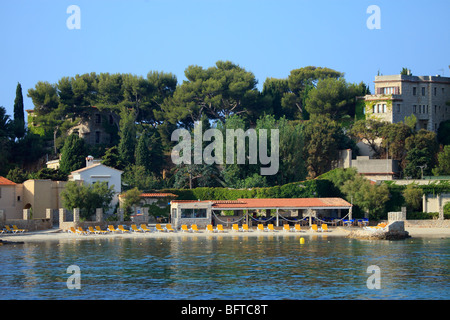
[[19, 116], [127, 133], [143, 157], [73, 154]]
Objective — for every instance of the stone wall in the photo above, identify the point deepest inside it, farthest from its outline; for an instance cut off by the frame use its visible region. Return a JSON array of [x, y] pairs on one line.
[[427, 223], [30, 225], [65, 225]]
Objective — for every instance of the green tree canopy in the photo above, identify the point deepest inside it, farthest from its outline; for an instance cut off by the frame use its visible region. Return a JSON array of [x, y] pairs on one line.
[[413, 197], [369, 197], [321, 147], [87, 197], [421, 152], [443, 166], [334, 98], [216, 92]]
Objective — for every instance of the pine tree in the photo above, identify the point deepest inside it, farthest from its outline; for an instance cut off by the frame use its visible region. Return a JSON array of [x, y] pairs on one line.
[[19, 117]]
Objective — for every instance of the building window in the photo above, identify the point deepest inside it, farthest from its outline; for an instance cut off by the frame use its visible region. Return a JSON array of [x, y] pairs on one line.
[[193, 213], [111, 119], [435, 90], [98, 118], [97, 136], [18, 198], [388, 90], [398, 107], [374, 108], [414, 109], [423, 91], [414, 91], [174, 212], [384, 108]]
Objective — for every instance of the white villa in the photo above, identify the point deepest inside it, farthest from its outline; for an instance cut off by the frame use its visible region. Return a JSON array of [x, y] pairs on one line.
[[94, 172]]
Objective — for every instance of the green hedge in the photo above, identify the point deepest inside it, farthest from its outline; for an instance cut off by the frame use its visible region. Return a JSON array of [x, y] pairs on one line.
[[304, 189]]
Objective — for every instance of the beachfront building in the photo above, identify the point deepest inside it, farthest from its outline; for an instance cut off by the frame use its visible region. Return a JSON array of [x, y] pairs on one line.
[[37, 195], [204, 212], [400, 96], [94, 172], [8, 198]]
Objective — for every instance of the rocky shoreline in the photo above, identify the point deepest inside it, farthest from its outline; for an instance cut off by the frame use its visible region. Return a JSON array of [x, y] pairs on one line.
[[378, 235]]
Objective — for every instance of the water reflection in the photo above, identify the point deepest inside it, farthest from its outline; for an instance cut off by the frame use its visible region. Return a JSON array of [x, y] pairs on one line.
[[237, 267]]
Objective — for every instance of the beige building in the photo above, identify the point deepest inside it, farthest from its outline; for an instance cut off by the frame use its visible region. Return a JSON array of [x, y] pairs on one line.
[[10, 197], [95, 127], [399, 96], [373, 169], [36, 195]]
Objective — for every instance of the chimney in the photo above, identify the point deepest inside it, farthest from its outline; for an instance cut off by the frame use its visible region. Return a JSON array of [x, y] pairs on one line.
[[89, 161]]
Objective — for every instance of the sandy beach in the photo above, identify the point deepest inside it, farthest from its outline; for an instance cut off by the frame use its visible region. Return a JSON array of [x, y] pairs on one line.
[[57, 234]]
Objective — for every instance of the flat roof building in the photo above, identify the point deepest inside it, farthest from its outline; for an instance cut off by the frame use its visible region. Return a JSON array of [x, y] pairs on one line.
[[400, 96]]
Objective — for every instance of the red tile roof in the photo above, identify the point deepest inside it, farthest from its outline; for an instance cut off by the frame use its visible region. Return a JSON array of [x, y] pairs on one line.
[[275, 203], [6, 182]]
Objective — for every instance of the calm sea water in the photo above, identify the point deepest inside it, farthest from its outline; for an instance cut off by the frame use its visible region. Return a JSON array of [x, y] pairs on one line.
[[274, 267]]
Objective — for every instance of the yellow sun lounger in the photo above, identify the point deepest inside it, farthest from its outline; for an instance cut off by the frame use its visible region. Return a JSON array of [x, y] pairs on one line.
[[220, 228], [235, 227], [72, 230], [91, 230], [159, 228], [194, 228], [314, 228], [286, 228], [270, 227], [209, 228], [99, 230], [122, 229], [8, 229], [324, 228], [80, 231], [112, 229], [260, 227], [169, 228], [297, 228], [245, 228], [134, 228], [144, 228], [184, 228], [18, 230]]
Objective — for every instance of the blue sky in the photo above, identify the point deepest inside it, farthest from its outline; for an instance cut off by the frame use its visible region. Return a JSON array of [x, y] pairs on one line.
[[267, 37]]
